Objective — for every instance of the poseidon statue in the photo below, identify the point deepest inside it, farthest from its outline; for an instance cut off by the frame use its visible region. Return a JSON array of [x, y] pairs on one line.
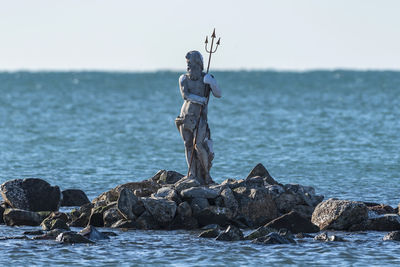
[[195, 87]]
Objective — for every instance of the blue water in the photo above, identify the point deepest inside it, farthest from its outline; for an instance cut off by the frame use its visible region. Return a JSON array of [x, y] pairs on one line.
[[335, 130]]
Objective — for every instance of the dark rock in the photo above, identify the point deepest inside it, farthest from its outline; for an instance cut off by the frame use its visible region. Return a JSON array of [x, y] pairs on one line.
[[2, 209], [270, 239], [37, 232], [199, 192], [50, 235], [125, 224], [256, 205], [395, 235], [80, 218], [185, 183], [73, 197], [325, 238], [72, 238], [91, 233], [385, 222], [199, 204], [14, 238], [109, 233], [96, 217], [168, 193], [31, 194], [380, 208], [183, 218], [260, 170], [209, 233], [147, 222], [339, 214], [162, 210], [229, 200], [111, 216], [260, 232], [126, 201], [214, 215], [232, 233], [167, 177], [14, 217], [294, 222], [51, 224]]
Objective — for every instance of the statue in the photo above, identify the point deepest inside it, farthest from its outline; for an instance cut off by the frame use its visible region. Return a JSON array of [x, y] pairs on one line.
[[195, 87]]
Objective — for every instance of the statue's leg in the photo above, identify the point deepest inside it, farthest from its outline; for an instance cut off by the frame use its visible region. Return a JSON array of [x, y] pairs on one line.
[[187, 137], [202, 151]]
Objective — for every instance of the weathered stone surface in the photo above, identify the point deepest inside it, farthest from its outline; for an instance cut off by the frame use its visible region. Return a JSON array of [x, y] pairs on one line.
[[31, 194], [229, 200], [168, 193], [339, 214], [185, 183], [199, 204], [72, 238], [256, 205], [126, 201], [385, 222], [37, 232], [183, 218], [261, 231], [80, 217], [325, 238], [271, 239], [51, 224], [14, 217], [214, 215], [232, 233], [2, 209], [167, 177], [91, 233], [97, 215], [200, 192], [380, 208], [260, 170], [209, 233], [147, 222], [73, 197], [125, 224], [50, 235], [395, 235], [111, 216], [294, 222], [162, 210]]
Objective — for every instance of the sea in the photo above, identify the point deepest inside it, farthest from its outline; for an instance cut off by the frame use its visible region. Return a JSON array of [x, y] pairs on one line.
[[338, 131]]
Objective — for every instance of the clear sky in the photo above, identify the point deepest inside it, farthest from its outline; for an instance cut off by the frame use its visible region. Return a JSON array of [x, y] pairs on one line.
[[150, 35]]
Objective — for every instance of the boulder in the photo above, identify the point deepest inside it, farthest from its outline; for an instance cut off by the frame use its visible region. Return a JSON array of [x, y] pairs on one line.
[[97, 215], [183, 218], [73, 197], [91, 233], [209, 233], [14, 217], [111, 216], [185, 183], [232, 233], [395, 235], [147, 222], [2, 209], [325, 238], [256, 205], [261, 231], [385, 222], [271, 239], [200, 192], [261, 171], [380, 208], [229, 200], [167, 177], [168, 193], [199, 204], [54, 223], [162, 210], [31, 194], [50, 235], [214, 215], [126, 201], [339, 214], [294, 222], [80, 217], [72, 238]]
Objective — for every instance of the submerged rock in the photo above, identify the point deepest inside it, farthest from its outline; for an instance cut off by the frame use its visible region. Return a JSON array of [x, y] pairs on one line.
[[339, 214], [125, 224], [209, 233], [271, 239], [91, 233], [232, 233], [31, 194], [294, 222], [261, 231], [73, 197], [395, 235], [72, 238], [325, 238], [13, 217]]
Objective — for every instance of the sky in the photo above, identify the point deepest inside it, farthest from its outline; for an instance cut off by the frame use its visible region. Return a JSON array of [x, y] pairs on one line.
[[146, 35]]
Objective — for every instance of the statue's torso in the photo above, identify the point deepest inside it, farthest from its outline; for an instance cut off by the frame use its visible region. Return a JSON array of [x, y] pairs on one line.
[[196, 87]]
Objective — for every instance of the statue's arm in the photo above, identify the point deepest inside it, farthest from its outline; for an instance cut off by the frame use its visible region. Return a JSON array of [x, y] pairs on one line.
[[188, 96], [210, 80]]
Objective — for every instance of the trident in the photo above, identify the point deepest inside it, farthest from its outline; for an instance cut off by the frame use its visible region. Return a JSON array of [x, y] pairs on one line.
[[210, 52]]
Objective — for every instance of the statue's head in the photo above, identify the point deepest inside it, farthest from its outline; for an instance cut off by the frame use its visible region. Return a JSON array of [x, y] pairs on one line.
[[194, 61]]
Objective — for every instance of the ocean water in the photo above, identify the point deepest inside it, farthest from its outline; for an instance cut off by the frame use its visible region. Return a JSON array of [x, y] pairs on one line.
[[337, 131]]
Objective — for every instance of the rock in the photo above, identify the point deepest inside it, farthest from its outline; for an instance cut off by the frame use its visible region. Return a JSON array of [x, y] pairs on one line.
[[325, 238], [270, 239], [294, 222], [229, 200], [14, 217], [111, 216], [167, 177], [50, 235], [385, 222], [97, 215], [183, 218], [91, 233], [261, 231], [126, 201], [214, 215], [125, 224], [147, 222], [37, 232], [2, 209], [185, 183], [73, 197], [260, 170], [31, 194], [162, 210], [380, 208], [199, 204], [339, 214], [209, 233], [233, 183], [168, 193], [232, 233], [395, 235], [256, 205], [80, 218], [72, 238], [51, 224]]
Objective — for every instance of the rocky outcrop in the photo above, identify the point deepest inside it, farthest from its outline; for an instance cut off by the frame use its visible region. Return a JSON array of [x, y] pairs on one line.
[[339, 214], [31, 194], [272, 239], [162, 210], [74, 198], [294, 222], [72, 238], [260, 171], [13, 217]]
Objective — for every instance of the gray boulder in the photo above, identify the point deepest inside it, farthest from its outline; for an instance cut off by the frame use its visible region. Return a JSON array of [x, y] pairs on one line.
[[261, 171], [185, 183], [13, 217], [294, 222], [31, 194], [384, 222], [339, 214], [91, 233], [232, 233], [72, 238], [229, 200], [126, 201], [271, 239], [111, 216], [200, 192], [167, 177], [214, 215], [73, 197], [162, 210]]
